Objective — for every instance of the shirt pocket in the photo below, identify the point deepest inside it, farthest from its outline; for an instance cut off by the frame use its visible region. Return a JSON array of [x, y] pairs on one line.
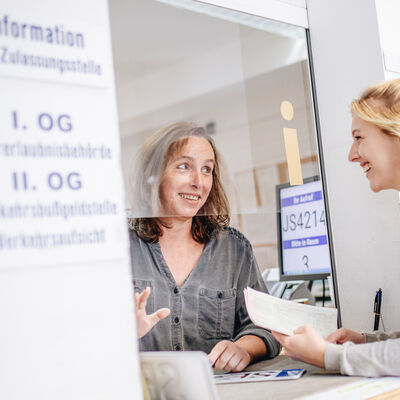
[[139, 285], [216, 318]]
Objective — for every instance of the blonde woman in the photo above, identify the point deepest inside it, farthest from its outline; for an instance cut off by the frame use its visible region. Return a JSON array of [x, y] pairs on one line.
[[183, 249], [376, 147]]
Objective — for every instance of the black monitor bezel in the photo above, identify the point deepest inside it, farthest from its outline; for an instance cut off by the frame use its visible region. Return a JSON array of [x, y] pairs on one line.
[[303, 277]]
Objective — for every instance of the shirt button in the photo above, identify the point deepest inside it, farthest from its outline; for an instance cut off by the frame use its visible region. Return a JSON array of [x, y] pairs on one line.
[[177, 347], [176, 320], [176, 290], [219, 295]]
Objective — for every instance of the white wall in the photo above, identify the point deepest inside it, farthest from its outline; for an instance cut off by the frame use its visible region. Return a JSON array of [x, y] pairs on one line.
[[347, 55], [388, 12]]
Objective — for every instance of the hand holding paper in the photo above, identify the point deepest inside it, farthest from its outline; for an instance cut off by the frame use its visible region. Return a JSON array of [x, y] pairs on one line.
[[285, 316], [305, 345], [298, 327]]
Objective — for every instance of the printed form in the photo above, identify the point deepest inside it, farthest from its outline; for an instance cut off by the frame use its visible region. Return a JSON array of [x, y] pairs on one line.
[[286, 316]]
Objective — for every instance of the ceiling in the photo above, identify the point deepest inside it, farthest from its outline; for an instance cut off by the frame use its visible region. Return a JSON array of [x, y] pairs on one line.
[[161, 52], [136, 29], [148, 35]]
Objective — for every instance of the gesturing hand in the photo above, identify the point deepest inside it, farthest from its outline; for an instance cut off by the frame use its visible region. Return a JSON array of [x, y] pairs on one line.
[[306, 344], [144, 322], [344, 335], [229, 356]]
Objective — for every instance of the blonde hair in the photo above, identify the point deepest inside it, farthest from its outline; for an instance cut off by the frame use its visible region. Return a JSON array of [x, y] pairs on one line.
[[380, 105], [153, 158]]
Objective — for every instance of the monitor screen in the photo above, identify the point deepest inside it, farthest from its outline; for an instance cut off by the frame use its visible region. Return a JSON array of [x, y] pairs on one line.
[[303, 243]]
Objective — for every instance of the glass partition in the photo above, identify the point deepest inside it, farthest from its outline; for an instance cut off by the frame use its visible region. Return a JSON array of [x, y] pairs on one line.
[[244, 79]]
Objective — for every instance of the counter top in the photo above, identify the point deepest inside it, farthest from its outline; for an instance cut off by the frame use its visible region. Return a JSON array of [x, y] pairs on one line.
[[313, 381]]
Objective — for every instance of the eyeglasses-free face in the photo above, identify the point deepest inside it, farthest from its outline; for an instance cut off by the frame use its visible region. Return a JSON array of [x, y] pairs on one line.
[[188, 179], [377, 153]]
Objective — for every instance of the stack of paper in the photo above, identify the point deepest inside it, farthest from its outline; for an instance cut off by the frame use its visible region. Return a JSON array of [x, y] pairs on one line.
[[285, 316]]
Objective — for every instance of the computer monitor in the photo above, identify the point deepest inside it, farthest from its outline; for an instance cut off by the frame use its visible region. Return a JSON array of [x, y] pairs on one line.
[[303, 244]]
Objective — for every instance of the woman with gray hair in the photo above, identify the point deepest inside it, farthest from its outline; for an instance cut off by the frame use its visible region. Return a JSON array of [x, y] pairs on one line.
[[187, 262]]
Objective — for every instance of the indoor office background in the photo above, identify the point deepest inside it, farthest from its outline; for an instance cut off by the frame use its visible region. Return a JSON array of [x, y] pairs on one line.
[[229, 72]]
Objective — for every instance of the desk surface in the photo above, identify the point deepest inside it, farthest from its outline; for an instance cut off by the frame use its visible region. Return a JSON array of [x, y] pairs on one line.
[[315, 380]]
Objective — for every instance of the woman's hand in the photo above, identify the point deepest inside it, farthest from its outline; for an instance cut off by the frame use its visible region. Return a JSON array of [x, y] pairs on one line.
[[229, 356], [144, 322], [344, 335], [306, 344]]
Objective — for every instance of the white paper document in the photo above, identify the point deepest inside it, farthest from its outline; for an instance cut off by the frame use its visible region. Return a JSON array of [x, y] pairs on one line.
[[286, 316]]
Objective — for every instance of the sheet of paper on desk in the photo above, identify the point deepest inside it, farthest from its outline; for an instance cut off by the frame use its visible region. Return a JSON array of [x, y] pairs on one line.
[[286, 316], [365, 388], [257, 376]]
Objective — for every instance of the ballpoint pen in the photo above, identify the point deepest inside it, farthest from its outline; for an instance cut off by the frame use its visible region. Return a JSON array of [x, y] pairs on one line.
[[377, 308]]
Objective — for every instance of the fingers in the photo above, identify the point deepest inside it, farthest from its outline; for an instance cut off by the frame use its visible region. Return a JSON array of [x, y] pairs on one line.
[[302, 329], [218, 349], [340, 336], [241, 366], [136, 297], [306, 344], [344, 335], [229, 356], [284, 340], [220, 356], [159, 315], [280, 337], [228, 361], [334, 337], [141, 298], [163, 313]]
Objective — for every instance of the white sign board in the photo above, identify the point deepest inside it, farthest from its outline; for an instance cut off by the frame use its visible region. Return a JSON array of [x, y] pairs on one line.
[[59, 145], [63, 233]]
